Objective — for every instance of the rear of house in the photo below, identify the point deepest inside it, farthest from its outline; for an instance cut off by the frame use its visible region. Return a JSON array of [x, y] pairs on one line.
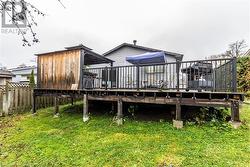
[[119, 53], [70, 72], [78, 67], [123, 73]]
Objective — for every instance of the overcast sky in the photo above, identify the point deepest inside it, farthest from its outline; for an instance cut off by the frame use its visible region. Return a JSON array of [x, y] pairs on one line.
[[196, 28]]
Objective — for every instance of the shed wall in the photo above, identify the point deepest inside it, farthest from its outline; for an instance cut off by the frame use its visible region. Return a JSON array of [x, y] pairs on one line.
[[59, 70]]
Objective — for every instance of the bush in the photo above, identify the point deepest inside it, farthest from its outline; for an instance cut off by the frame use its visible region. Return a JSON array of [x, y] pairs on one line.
[[243, 74], [132, 109], [248, 94], [32, 79], [208, 114]]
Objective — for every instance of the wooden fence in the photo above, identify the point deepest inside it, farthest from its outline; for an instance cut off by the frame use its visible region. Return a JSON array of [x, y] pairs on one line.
[[17, 98]]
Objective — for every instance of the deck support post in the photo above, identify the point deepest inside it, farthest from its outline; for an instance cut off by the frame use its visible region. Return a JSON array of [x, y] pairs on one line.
[[112, 107], [178, 111], [235, 114], [34, 104], [178, 123], [56, 104], [72, 101], [85, 108], [119, 119]]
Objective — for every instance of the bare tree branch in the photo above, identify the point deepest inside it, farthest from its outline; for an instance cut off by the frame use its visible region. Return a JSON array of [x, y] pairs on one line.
[[235, 49], [27, 14], [61, 3]]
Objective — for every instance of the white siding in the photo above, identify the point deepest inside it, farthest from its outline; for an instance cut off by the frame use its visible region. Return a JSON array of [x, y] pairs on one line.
[[22, 75], [127, 76], [120, 55]]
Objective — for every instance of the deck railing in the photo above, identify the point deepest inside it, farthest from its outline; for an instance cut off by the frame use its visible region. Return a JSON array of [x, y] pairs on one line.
[[218, 75]]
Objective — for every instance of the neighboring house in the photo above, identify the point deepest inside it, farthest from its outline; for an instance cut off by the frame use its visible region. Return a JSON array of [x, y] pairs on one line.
[[22, 73], [151, 76], [5, 76]]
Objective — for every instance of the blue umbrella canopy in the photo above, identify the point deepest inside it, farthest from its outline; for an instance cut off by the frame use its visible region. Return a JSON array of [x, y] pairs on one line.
[[147, 58]]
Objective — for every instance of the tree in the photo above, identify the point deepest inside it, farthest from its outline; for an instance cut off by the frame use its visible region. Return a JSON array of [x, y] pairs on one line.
[[243, 73], [26, 15], [236, 49], [32, 79]]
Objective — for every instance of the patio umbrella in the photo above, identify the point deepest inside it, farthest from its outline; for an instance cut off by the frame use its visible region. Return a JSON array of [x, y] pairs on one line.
[[147, 58]]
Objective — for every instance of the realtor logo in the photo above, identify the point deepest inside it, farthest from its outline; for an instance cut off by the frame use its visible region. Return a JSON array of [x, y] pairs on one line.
[[14, 15]]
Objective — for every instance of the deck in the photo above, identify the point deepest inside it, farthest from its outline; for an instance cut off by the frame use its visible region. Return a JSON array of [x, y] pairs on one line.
[[210, 83], [177, 98]]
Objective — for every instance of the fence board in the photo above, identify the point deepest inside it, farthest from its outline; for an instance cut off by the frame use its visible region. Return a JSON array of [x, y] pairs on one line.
[[16, 98]]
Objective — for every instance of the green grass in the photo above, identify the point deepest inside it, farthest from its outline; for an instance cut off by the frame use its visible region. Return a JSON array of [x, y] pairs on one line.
[[42, 140]]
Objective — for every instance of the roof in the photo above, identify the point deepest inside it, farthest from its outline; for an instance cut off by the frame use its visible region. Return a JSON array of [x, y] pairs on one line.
[[91, 57], [6, 74], [80, 46], [94, 58], [77, 47], [176, 55], [20, 68]]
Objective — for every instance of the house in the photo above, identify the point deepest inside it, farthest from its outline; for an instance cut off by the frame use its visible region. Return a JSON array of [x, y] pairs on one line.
[[119, 53], [5, 76], [128, 74], [132, 54], [22, 73]]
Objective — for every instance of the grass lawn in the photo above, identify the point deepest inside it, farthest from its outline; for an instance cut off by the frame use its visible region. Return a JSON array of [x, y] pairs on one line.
[[42, 140]]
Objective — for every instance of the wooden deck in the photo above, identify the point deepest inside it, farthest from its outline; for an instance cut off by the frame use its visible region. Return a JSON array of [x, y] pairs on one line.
[[210, 83], [110, 94], [153, 96]]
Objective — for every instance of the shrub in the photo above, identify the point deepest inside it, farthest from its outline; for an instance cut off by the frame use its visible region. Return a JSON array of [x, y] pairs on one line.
[[208, 114], [243, 74], [32, 79], [248, 94]]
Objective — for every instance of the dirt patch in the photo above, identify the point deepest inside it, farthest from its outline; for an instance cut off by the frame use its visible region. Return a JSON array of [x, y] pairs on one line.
[[9, 121]]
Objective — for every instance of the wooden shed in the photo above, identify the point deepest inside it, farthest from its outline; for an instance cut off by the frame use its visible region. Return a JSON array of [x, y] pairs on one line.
[[63, 69]]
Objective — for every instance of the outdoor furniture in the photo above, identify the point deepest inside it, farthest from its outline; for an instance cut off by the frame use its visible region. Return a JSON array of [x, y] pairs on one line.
[[199, 75], [88, 79]]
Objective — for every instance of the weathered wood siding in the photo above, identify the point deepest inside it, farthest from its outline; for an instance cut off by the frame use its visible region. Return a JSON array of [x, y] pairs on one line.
[[59, 70]]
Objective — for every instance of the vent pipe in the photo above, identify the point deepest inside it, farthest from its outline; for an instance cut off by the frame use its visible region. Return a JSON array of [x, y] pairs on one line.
[[134, 41]]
